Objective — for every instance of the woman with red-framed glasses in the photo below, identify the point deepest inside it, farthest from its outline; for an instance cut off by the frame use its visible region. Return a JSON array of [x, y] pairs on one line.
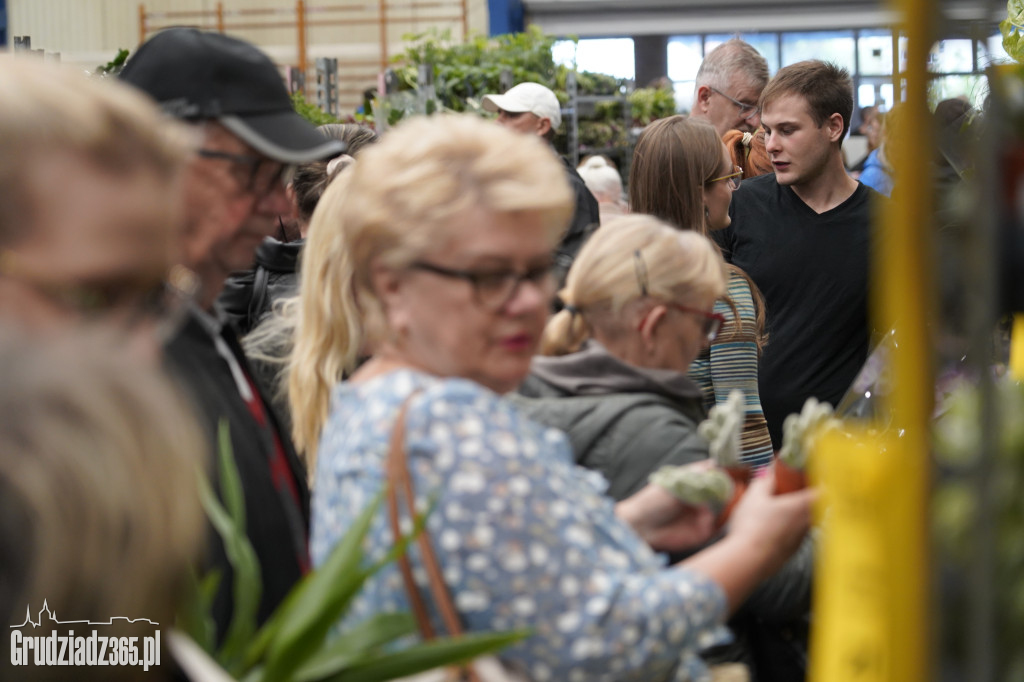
[[638, 308]]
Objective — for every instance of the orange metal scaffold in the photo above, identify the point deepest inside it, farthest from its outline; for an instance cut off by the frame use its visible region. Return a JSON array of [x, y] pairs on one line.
[[300, 17]]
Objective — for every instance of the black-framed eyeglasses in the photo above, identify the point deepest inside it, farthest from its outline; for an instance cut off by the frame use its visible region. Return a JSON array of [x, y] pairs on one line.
[[712, 321], [493, 289], [264, 174], [747, 111], [734, 178]]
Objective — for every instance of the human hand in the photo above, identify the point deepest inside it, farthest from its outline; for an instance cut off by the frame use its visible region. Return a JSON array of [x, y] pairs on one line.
[[771, 525], [664, 522]]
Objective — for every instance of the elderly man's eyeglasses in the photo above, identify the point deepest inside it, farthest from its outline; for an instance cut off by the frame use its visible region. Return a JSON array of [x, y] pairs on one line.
[[747, 111], [495, 288], [734, 178], [264, 174]]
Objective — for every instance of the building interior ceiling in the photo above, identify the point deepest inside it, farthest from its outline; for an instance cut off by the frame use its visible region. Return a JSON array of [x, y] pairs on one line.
[[591, 18]]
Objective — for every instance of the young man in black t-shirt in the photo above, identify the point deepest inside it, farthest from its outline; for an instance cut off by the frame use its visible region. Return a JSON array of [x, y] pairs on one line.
[[802, 234]]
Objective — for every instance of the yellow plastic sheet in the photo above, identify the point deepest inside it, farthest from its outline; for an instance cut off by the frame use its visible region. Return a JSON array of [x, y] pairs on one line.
[[871, 580]]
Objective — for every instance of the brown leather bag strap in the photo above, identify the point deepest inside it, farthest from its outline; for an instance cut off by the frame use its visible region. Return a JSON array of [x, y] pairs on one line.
[[400, 482], [397, 470]]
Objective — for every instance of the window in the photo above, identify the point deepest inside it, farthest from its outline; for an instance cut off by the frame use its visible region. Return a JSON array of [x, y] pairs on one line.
[[834, 46], [866, 53], [613, 56], [952, 56], [685, 53], [874, 53]]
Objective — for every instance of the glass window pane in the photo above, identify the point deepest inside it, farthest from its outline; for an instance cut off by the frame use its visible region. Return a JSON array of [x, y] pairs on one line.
[[613, 56], [564, 52], [874, 53], [684, 58], [952, 56], [834, 46], [768, 45], [991, 51], [684, 95], [888, 99], [974, 88], [875, 91], [866, 95]]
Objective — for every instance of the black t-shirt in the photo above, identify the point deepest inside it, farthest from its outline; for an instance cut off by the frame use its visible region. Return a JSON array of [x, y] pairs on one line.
[[813, 272]]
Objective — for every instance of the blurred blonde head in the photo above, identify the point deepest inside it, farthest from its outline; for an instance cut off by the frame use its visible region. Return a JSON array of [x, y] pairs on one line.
[[99, 511], [602, 180], [603, 282], [46, 109], [403, 195]]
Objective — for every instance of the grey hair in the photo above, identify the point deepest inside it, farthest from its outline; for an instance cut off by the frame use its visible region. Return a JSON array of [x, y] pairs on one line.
[[733, 56]]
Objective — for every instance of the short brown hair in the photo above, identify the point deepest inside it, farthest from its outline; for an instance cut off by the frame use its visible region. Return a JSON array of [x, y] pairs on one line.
[[826, 87]]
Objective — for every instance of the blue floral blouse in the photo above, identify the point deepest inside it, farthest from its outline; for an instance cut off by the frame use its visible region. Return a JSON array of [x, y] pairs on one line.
[[525, 538]]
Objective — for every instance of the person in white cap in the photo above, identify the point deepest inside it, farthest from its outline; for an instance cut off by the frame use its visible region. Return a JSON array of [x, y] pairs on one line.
[[532, 109]]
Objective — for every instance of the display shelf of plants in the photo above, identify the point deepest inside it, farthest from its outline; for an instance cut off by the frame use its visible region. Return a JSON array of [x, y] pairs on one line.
[[603, 116], [606, 114]]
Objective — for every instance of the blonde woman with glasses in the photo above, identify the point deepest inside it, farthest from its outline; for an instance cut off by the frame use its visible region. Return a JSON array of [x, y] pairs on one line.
[[435, 260], [683, 174]]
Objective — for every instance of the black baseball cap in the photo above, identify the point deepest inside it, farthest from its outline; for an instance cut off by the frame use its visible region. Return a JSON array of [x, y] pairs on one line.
[[196, 75]]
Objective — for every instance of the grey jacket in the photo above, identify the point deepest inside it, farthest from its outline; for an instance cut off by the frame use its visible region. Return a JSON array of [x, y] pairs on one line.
[[627, 421], [623, 421]]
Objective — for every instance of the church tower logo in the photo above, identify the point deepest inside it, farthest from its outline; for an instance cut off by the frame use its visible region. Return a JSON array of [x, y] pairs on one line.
[[62, 647]]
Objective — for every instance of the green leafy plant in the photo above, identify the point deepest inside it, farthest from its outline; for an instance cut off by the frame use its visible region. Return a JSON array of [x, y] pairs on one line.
[[650, 104], [465, 72], [312, 112], [955, 506], [1012, 28], [114, 66], [293, 645]]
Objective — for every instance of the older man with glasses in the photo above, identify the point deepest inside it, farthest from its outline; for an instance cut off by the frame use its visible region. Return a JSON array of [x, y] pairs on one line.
[[729, 84], [248, 140]]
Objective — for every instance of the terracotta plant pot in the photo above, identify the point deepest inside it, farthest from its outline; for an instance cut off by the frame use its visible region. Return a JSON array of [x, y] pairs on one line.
[[788, 479], [741, 480]]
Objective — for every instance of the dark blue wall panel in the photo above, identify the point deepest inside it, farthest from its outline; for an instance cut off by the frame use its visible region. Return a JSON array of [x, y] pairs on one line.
[[506, 16]]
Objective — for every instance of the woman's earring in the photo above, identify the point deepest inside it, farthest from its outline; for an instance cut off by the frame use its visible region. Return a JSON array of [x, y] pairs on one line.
[[707, 213]]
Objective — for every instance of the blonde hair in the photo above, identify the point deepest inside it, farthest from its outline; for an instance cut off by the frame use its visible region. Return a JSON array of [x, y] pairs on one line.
[[402, 196], [601, 179], [676, 265], [48, 108], [99, 510]]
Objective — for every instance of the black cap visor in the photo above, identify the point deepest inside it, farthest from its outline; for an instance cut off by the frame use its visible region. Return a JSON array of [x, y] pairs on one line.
[[283, 136]]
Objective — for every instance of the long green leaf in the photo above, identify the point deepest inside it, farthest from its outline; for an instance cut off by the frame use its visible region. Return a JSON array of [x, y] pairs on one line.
[[247, 581], [302, 623], [426, 656], [268, 632], [193, 616], [361, 639]]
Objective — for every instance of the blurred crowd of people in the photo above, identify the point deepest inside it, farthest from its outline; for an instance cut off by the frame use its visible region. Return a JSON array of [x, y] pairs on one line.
[[183, 258]]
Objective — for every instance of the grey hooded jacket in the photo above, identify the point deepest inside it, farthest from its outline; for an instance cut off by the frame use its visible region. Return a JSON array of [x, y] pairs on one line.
[[623, 421]]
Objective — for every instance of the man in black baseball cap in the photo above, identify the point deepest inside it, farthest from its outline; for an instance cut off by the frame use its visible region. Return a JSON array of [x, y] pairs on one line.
[[249, 137]]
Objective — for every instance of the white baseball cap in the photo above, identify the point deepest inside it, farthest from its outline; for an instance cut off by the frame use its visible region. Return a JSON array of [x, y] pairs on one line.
[[532, 97]]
